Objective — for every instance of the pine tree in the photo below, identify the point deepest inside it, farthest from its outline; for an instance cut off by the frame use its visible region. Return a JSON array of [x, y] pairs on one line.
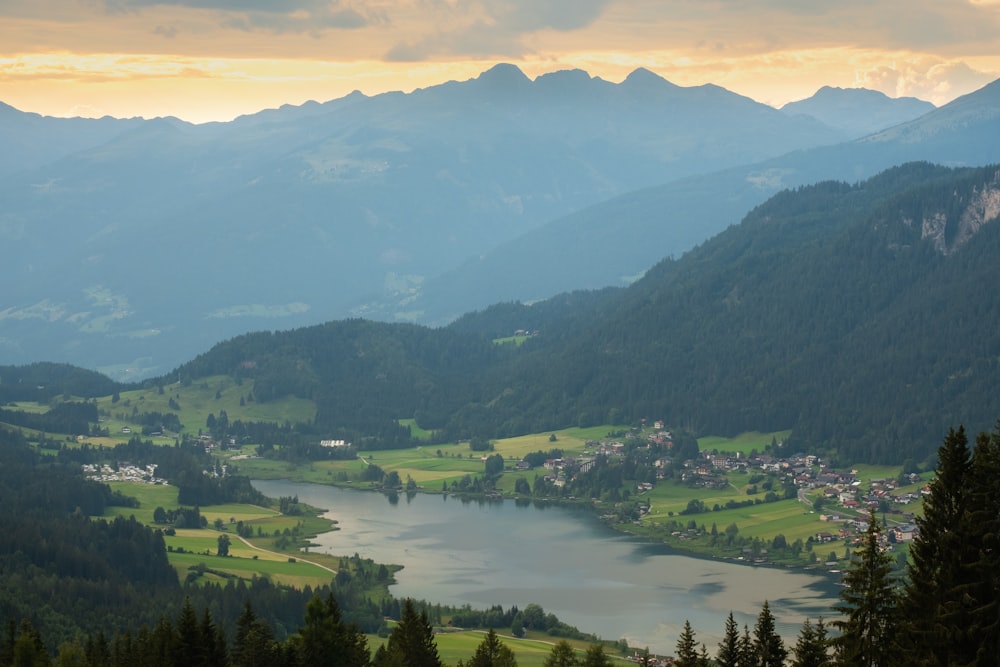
[[491, 652], [254, 644], [687, 649], [325, 639], [189, 649], [561, 655], [869, 604], [935, 617], [411, 643], [769, 649], [811, 647], [979, 589], [747, 656], [729, 647]]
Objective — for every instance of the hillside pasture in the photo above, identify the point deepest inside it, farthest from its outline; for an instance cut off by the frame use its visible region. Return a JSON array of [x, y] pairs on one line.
[[197, 400], [744, 443]]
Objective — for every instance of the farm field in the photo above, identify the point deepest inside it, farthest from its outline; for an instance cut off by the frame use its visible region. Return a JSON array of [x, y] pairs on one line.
[[189, 547]]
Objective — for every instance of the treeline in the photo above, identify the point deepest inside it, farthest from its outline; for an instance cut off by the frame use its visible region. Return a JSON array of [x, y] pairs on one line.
[[70, 417], [41, 382], [324, 636]]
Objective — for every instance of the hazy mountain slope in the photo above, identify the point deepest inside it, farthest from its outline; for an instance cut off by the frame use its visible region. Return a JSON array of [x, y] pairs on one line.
[[861, 316], [30, 140], [171, 236], [857, 111], [614, 241]]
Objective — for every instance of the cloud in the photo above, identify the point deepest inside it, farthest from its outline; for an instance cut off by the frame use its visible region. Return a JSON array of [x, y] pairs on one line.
[[494, 27], [296, 16], [926, 78]]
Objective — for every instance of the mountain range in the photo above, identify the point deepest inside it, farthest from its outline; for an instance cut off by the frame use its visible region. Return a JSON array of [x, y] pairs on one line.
[[134, 244]]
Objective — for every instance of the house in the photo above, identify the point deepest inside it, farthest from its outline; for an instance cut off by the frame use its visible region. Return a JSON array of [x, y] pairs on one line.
[[905, 532], [824, 536]]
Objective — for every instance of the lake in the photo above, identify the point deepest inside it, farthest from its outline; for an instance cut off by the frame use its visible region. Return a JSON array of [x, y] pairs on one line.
[[460, 552]]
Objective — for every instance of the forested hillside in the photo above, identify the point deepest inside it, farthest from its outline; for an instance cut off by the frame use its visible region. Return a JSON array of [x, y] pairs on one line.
[[861, 316]]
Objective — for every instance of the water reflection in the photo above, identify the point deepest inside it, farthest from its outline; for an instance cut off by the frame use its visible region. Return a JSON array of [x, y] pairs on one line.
[[484, 552]]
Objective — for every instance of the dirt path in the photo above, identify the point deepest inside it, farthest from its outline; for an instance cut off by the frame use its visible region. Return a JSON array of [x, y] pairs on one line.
[[275, 553]]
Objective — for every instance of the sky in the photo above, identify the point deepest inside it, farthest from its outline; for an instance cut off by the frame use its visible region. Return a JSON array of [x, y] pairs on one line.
[[212, 60]]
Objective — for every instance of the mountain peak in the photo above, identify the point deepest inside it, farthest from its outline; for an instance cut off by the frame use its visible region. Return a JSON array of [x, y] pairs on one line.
[[504, 75], [642, 78]]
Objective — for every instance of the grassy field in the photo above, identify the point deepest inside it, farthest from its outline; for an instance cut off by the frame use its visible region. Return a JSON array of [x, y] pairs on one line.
[[188, 547], [530, 651], [743, 443], [198, 400]]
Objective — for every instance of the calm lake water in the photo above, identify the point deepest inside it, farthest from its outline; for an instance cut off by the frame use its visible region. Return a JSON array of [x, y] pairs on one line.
[[564, 559]]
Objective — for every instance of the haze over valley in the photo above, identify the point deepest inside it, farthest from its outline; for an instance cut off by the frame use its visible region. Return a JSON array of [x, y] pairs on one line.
[[502, 188]]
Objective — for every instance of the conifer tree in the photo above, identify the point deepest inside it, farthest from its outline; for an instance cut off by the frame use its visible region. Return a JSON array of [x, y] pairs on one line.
[[769, 649], [411, 643], [491, 652], [729, 647], [869, 604], [811, 648], [561, 655], [254, 644], [687, 649], [747, 657], [326, 640], [936, 617], [981, 586]]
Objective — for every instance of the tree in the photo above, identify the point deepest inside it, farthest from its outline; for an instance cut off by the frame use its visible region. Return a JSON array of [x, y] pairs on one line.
[[869, 604], [729, 648], [254, 644], [940, 598], [687, 648], [561, 655], [983, 587], [324, 639], [811, 648], [411, 643], [769, 649], [747, 657], [596, 657], [491, 652], [223, 549]]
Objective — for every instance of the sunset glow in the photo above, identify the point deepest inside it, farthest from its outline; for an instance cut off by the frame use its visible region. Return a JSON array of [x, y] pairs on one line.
[[213, 60]]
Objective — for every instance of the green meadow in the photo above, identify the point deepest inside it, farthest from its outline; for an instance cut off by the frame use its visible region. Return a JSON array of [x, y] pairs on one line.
[[745, 443], [530, 651], [189, 546], [196, 401]]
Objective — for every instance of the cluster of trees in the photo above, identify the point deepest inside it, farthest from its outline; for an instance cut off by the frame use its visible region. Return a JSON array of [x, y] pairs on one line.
[[71, 417], [324, 637], [43, 381]]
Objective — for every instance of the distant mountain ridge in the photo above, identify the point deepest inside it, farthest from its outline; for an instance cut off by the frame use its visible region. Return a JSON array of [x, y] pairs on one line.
[[858, 111], [615, 241], [136, 247]]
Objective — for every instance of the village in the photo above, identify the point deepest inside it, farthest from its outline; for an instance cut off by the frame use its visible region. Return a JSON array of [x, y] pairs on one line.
[[840, 497]]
